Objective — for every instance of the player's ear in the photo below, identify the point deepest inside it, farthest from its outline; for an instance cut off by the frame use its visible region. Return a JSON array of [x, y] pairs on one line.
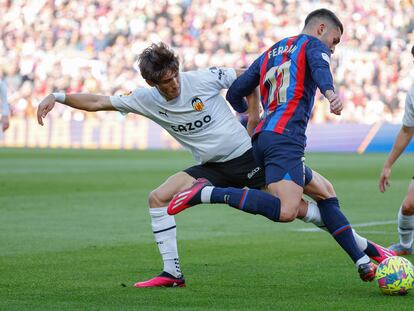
[[321, 29]]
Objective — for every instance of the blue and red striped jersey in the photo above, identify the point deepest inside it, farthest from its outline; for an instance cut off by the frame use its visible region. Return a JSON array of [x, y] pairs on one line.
[[288, 74]]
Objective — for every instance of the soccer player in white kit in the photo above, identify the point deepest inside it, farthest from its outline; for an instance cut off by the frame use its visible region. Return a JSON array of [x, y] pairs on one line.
[[5, 109], [189, 106], [406, 211]]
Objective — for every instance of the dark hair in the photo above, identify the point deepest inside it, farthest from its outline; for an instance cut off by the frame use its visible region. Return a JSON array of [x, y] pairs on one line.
[[324, 13], [412, 50], [156, 61]]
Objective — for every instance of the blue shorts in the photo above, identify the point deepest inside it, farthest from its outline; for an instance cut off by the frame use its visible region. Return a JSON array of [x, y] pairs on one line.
[[281, 157]]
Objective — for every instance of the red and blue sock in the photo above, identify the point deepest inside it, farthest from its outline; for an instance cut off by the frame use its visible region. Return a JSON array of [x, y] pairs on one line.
[[248, 200], [339, 227]]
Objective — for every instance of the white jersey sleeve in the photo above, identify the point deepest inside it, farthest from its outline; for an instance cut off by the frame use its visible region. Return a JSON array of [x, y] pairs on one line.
[[219, 77], [408, 119], [131, 102]]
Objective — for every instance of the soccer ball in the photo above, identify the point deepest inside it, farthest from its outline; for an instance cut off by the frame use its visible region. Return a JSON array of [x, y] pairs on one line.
[[395, 276]]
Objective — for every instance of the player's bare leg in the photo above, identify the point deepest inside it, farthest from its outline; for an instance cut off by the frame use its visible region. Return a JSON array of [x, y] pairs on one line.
[[319, 188], [164, 229], [290, 196], [406, 224]]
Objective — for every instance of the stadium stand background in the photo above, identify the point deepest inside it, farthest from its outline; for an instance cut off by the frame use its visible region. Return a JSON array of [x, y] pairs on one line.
[[91, 46]]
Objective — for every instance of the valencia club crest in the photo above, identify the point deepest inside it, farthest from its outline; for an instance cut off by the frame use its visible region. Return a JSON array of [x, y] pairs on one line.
[[197, 103]]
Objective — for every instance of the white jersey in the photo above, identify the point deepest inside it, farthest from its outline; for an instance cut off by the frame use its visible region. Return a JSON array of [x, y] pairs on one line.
[[408, 119], [199, 119]]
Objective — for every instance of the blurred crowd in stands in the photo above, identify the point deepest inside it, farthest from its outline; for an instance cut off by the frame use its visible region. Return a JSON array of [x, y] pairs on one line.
[[91, 46]]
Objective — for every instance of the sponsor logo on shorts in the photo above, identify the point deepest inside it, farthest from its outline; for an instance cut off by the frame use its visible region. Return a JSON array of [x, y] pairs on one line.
[[226, 198], [253, 172], [197, 104]]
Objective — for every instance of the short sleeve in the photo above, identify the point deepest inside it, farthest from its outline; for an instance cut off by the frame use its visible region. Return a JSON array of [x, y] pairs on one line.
[[219, 77], [128, 102]]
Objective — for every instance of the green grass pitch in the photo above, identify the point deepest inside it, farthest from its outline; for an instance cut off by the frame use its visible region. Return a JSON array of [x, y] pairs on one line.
[[74, 226]]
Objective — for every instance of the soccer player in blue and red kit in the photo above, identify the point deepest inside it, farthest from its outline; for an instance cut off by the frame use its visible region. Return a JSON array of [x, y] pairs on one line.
[[287, 74]]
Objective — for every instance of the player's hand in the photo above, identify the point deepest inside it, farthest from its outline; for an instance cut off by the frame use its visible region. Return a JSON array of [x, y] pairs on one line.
[[44, 107], [5, 123], [384, 180], [335, 102]]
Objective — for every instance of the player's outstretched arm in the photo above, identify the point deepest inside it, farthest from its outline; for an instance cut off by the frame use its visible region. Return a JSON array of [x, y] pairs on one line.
[[401, 142], [87, 102]]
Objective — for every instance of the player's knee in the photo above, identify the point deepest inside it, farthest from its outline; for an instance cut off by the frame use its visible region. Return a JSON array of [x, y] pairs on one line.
[[288, 213], [407, 207], [287, 216], [326, 190], [329, 190], [154, 198]]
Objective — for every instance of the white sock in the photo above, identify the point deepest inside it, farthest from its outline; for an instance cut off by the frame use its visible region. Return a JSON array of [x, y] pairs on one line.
[[360, 241], [164, 229], [405, 229], [206, 194], [314, 216], [362, 260]]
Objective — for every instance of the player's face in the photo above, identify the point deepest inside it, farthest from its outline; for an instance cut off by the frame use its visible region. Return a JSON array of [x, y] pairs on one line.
[[331, 36], [169, 85]]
